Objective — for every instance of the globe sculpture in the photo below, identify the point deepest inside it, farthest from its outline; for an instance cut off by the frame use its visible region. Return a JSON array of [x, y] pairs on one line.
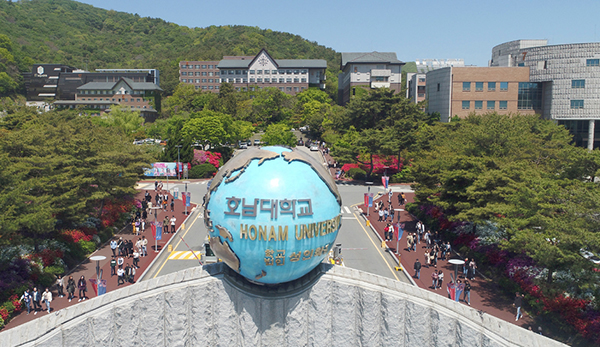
[[273, 214]]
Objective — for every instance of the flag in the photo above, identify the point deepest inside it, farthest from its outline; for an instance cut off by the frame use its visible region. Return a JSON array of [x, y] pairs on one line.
[[183, 196], [366, 199], [159, 231], [370, 199], [398, 231], [451, 288], [102, 287], [385, 180], [188, 200], [153, 227], [94, 285]]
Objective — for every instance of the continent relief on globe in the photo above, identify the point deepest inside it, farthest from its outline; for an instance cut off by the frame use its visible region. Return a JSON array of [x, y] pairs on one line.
[[273, 213]]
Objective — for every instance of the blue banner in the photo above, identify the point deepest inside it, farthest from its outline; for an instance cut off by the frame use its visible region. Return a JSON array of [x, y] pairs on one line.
[[188, 199], [159, 226], [370, 199]]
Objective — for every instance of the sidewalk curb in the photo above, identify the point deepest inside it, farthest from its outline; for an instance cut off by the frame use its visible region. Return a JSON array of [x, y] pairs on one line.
[[412, 281], [141, 278]]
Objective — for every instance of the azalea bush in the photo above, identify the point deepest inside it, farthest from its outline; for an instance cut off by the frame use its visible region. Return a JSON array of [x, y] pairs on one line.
[[381, 163], [202, 157]]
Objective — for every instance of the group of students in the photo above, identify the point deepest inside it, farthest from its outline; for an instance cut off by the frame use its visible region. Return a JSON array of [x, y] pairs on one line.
[[34, 299], [124, 271]]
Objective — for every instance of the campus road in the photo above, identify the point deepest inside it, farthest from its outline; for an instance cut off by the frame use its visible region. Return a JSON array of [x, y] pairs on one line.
[[361, 249]]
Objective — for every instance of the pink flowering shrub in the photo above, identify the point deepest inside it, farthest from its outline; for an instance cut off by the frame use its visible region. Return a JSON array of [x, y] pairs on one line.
[[201, 157]]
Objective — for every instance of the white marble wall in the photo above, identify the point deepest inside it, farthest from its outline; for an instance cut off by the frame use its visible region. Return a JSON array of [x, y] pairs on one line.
[[342, 307]]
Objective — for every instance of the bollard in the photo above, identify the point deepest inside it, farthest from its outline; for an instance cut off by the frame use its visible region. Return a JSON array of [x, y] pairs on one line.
[[368, 223], [170, 248]]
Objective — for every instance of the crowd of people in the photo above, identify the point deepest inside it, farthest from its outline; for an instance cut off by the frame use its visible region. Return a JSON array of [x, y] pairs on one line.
[[34, 300]]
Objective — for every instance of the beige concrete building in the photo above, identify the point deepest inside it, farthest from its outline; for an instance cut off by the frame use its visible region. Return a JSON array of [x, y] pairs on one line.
[[460, 91]]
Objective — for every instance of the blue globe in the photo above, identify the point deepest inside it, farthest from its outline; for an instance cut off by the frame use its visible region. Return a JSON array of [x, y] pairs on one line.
[[273, 214]]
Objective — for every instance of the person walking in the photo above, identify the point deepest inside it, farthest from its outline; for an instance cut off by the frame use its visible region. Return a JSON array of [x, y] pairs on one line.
[[380, 215], [467, 295], [26, 298], [82, 286], [144, 245], [390, 194], [120, 276], [172, 204], [440, 279], [37, 296], [113, 246], [47, 298], [120, 262], [391, 231], [409, 241], [434, 279], [136, 258], [392, 213], [518, 302], [386, 213], [417, 267], [113, 266], [166, 225], [71, 288], [60, 286], [472, 267]]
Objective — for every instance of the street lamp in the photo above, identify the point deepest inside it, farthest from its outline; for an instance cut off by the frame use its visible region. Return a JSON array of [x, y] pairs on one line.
[[186, 183], [177, 168]]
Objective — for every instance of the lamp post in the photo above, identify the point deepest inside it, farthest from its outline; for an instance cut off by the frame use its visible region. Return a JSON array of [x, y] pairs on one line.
[[177, 167], [97, 259]]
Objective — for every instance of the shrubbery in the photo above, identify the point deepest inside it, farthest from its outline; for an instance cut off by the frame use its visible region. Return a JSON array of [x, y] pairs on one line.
[[356, 173], [202, 171]]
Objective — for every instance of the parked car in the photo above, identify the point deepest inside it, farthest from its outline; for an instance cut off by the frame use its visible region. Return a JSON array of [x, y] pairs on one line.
[[257, 142], [590, 256], [300, 142], [243, 145], [314, 148]]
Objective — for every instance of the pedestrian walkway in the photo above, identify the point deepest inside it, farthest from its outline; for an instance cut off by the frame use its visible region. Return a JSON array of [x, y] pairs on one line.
[[88, 267], [484, 293]]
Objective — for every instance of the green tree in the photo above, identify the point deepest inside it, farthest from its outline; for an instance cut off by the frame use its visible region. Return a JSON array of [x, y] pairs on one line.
[[279, 134]]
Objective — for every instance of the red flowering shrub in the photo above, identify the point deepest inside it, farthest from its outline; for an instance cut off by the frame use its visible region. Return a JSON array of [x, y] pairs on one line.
[[16, 302], [381, 164], [113, 209], [201, 157], [347, 167], [4, 313], [47, 256], [75, 235]]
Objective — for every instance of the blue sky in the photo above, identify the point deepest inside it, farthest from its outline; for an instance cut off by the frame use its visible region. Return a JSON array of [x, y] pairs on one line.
[[432, 29]]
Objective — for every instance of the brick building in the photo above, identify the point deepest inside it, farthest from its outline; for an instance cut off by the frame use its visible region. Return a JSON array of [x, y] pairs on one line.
[[460, 91], [291, 76]]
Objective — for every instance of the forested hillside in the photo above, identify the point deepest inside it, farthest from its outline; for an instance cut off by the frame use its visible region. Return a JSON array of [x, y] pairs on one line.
[[80, 35]]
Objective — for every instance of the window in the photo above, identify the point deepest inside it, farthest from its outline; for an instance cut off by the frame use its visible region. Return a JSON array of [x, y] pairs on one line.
[[197, 66], [259, 72], [281, 88], [491, 105], [210, 66], [578, 84], [267, 80], [231, 72], [223, 72], [204, 87], [503, 86], [521, 64], [204, 66], [197, 81], [288, 80], [197, 74], [303, 80], [466, 86], [210, 87], [421, 79], [183, 73], [274, 72], [466, 105], [529, 96], [210, 80], [204, 80], [592, 62], [259, 80], [576, 104], [184, 80], [503, 105], [238, 72], [281, 80], [267, 72], [282, 72], [438, 87], [288, 89], [303, 71], [289, 72], [252, 72], [491, 86], [204, 73], [296, 80], [252, 80], [478, 86], [211, 73], [478, 104]]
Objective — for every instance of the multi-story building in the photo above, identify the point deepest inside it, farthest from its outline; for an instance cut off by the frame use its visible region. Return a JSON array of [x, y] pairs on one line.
[[202, 74], [100, 96], [370, 70], [460, 91], [416, 81], [568, 77], [58, 85], [291, 76]]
